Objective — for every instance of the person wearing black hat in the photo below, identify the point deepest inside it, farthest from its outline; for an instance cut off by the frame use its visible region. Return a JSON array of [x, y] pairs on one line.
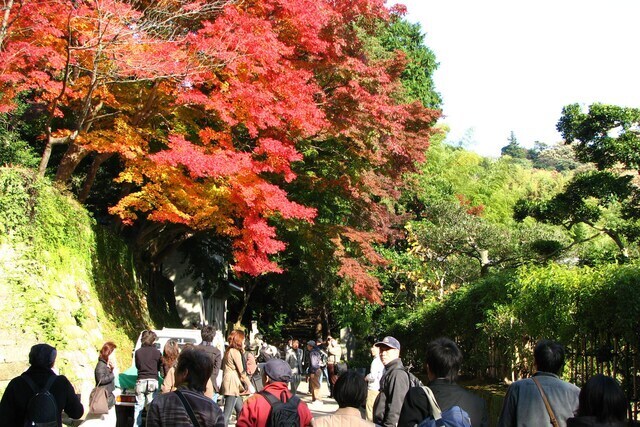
[[394, 384], [257, 409], [13, 407]]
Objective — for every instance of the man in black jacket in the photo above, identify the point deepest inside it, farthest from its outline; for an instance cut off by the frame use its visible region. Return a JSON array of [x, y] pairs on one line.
[[13, 407], [394, 384], [443, 363], [208, 334]]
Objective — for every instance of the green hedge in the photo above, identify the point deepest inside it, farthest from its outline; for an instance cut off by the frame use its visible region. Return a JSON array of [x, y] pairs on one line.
[[497, 320]]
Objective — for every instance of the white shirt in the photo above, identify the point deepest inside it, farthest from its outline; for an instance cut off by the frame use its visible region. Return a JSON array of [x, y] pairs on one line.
[[375, 373]]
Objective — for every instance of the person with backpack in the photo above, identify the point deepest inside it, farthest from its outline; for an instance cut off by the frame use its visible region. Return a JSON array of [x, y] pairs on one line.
[[39, 396], [315, 371], [443, 358], [394, 384], [350, 391], [187, 405], [275, 405]]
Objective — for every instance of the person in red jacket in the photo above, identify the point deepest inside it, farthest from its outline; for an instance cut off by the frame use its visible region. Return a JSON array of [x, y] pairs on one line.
[[256, 410]]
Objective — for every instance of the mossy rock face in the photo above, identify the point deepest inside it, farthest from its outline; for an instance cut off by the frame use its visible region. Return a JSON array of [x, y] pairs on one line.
[[54, 287]]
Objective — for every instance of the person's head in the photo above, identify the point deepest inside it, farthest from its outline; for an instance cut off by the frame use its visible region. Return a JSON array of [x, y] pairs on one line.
[[42, 356], [106, 350], [295, 344], [443, 359], [389, 349], [602, 397], [170, 352], [350, 390], [311, 345], [148, 339], [375, 351], [276, 370], [207, 333], [236, 339], [548, 356], [194, 368]]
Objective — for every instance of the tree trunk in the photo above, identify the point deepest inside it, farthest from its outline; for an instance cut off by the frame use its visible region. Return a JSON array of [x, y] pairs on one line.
[[51, 141], [325, 321], [91, 176], [44, 161], [624, 251], [484, 262], [72, 158], [4, 26], [248, 290]]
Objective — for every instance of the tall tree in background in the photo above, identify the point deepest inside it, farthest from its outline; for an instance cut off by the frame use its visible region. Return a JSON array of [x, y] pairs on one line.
[[513, 148], [605, 199]]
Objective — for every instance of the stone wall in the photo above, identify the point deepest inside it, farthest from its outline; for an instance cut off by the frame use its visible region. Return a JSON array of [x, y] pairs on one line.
[[66, 316]]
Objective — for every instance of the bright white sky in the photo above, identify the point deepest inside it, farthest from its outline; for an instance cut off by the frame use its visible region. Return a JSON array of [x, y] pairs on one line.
[[511, 65]]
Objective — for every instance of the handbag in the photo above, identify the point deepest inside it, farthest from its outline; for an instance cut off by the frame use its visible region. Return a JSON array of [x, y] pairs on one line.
[[552, 416], [99, 400]]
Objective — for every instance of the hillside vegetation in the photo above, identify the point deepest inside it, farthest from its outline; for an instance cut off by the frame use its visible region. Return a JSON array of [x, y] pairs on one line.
[[63, 280]]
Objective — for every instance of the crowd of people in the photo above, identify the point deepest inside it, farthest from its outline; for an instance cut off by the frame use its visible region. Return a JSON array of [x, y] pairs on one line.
[[210, 383]]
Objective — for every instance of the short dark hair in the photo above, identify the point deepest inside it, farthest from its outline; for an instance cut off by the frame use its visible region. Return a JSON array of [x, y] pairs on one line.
[[350, 390], [207, 333], [199, 366], [42, 356], [148, 339], [549, 356], [444, 358], [602, 397]]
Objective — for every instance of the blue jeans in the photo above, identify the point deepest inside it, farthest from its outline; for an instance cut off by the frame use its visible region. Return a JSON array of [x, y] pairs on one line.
[[146, 390], [231, 403], [324, 374]]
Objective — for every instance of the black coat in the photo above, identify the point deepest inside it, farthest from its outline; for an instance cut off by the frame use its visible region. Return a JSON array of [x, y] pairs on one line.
[[216, 357], [13, 406], [394, 386], [416, 405]]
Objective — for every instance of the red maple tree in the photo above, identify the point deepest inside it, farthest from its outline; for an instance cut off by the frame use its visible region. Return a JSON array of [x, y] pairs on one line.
[[208, 103]]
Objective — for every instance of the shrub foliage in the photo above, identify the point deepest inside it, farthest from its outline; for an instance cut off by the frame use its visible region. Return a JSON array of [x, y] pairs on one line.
[[595, 312]]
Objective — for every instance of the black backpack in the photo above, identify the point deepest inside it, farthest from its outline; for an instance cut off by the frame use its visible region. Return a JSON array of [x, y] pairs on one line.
[[42, 409], [283, 414], [413, 380]]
